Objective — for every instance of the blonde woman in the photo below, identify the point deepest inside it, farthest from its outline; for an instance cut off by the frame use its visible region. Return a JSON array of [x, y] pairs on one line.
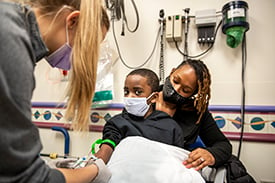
[[60, 31]]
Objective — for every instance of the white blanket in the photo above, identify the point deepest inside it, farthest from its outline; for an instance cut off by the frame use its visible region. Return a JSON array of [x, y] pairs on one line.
[[139, 160]]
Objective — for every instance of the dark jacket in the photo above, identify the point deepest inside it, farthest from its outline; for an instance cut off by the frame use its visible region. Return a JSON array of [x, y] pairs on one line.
[[20, 48], [158, 126], [236, 172], [215, 141]]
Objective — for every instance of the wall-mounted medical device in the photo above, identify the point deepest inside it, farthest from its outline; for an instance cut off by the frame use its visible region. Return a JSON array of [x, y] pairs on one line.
[[206, 22], [173, 28], [235, 22]]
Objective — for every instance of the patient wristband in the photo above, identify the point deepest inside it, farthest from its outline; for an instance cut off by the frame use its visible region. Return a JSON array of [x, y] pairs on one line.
[[100, 141]]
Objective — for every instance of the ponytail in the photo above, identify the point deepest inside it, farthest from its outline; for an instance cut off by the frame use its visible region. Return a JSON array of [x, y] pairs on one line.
[[85, 56], [84, 65]]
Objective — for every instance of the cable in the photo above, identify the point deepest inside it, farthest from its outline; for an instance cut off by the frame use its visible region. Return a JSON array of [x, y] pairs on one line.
[[161, 59], [114, 6], [204, 52], [118, 10], [244, 59], [119, 53], [137, 16], [186, 21]]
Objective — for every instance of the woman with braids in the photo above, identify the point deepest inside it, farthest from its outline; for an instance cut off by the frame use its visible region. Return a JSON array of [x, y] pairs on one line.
[[188, 89], [65, 33]]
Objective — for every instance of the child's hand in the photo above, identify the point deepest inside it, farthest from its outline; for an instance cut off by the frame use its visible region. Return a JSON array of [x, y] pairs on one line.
[[166, 107]]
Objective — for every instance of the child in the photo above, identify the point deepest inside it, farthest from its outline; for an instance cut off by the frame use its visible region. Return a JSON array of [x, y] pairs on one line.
[[139, 118]]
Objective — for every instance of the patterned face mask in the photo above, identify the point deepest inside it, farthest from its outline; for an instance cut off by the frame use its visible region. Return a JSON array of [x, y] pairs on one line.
[[171, 95]]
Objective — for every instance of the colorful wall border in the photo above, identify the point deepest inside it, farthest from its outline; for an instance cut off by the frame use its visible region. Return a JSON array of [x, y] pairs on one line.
[[100, 113]]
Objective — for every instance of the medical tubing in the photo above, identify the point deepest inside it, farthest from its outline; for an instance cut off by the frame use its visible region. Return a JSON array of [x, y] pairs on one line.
[[244, 59], [100, 141], [125, 18], [114, 7], [161, 61], [118, 10], [119, 53]]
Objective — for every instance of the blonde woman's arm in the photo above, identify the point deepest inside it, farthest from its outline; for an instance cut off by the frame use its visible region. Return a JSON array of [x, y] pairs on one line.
[[97, 172]]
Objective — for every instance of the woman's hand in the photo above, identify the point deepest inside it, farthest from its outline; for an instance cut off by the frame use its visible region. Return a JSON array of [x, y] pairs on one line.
[[199, 158], [166, 107]]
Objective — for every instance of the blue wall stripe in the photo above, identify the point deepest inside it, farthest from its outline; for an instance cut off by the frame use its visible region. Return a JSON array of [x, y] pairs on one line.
[[229, 108]]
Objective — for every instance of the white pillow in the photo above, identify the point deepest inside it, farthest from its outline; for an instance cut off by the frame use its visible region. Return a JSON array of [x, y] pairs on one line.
[[139, 160]]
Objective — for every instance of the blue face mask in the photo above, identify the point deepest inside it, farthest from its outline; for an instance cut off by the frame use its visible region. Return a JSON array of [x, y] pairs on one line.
[[136, 106], [61, 58], [171, 95]]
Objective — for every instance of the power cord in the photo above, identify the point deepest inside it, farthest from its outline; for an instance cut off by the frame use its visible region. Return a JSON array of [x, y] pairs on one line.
[[125, 19], [118, 10], [119, 52], [186, 22], [244, 60]]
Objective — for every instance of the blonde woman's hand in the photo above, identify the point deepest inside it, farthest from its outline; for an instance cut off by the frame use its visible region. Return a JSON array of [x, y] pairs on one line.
[[199, 158]]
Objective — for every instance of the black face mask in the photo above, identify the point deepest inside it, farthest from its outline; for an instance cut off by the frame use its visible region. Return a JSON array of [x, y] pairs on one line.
[[171, 95]]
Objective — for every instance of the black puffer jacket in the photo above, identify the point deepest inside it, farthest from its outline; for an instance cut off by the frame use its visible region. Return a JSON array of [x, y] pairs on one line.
[[236, 172]]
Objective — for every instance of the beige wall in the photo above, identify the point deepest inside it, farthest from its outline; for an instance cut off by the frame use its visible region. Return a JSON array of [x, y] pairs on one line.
[[224, 64]]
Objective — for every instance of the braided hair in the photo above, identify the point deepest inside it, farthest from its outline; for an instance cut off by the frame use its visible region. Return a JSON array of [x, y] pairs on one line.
[[202, 93]]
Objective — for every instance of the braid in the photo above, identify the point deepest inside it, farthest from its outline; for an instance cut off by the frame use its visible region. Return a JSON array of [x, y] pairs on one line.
[[202, 98]]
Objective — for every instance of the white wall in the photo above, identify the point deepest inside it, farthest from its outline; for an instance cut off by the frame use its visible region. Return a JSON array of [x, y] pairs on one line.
[[224, 64]]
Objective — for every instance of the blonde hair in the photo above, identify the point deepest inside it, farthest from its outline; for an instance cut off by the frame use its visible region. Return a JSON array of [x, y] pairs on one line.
[[85, 56]]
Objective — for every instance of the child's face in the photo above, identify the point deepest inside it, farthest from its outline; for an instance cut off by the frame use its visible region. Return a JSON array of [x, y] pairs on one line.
[[136, 86]]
